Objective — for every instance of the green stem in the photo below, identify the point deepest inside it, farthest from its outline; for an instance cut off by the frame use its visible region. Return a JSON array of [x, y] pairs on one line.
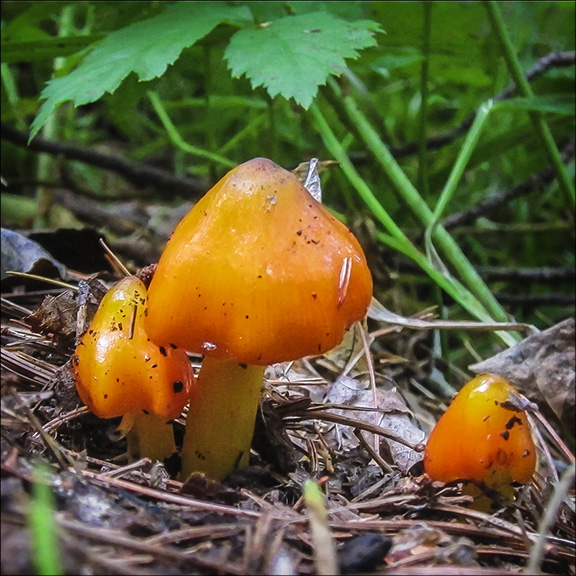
[[456, 173], [18, 209], [43, 528], [448, 248], [472, 138], [12, 96], [273, 128], [251, 129], [177, 139], [423, 120], [323, 543], [209, 90], [221, 418], [395, 237], [44, 195], [515, 69]]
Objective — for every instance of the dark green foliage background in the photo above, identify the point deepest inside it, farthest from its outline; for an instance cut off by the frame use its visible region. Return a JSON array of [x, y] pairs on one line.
[[245, 79]]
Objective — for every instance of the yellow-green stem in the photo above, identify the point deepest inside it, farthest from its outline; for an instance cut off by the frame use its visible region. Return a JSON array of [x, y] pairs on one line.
[[150, 437], [221, 418]]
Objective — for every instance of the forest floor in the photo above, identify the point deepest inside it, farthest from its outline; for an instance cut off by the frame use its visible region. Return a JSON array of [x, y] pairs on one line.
[[356, 423]]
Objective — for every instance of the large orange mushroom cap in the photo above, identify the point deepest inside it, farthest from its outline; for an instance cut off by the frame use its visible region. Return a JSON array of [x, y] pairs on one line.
[[482, 437], [258, 272]]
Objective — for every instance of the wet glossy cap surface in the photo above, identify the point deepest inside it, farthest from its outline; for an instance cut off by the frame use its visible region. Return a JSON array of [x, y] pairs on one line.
[[258, 271]]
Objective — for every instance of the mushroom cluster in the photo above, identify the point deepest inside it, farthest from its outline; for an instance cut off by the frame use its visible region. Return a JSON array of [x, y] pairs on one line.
[[258, 272], [120, 372]]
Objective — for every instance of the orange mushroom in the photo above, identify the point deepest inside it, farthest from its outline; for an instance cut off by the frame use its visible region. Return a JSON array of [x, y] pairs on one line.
[[483, 437], [120, 372], [257, 272]]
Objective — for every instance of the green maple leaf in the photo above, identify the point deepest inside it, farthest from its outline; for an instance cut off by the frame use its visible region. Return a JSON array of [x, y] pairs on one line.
[[294, 55], [146, 48]]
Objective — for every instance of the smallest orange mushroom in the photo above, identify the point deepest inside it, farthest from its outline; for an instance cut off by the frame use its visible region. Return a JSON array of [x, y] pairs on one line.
[[120, 372], [483, 437]]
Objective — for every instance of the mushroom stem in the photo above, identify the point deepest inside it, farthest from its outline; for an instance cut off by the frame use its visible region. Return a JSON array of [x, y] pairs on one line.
[[149, 436], [221, 418]]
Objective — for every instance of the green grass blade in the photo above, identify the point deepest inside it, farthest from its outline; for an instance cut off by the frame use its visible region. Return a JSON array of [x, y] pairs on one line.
[[177, 139], [395, 237], [455, 176], [44, 537], [515, 69], [447, 247]]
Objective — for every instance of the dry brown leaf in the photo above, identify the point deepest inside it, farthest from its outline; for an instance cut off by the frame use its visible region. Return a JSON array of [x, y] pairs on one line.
[[57, 317], [542, 366], [390, 413]]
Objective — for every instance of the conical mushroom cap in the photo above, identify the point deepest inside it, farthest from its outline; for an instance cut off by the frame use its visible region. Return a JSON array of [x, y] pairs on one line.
[[482, 437], [258, 271]]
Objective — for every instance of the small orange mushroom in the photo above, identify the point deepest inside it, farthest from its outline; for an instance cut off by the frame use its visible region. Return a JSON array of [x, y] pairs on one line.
[[483, 437], [120, 372], [257, 272]]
